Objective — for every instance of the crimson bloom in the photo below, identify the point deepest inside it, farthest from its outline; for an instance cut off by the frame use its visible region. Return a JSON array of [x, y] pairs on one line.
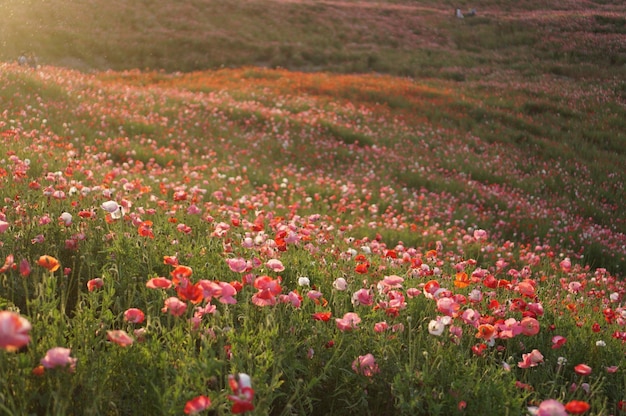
[[582, 369], [322, 316], [243, 394], [577, 407], [13, 331], [197, 404]]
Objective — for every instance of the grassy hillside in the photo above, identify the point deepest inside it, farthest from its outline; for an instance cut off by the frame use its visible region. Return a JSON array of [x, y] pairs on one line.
[[575, 38]]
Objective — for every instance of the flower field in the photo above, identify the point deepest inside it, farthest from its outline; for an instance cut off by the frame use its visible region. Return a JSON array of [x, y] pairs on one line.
[[274, 242]]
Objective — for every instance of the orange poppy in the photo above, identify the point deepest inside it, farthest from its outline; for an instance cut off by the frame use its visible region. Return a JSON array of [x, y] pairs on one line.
[[462, 280], [486, 331], [49, 263]]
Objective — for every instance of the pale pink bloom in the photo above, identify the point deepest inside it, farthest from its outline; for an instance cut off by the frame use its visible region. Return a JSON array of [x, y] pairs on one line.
[[566, 265], [393, 281], [175, 306], [58, 357], [531, 359], [94, 284], [314, 294], [275, 265], [3, 226], [293, 298], [304, 281], [238, 265], [159, 283], [480, 234], [340, 284], [13, 331], [120, 337], [436, 327], [110, 206], [475, 296], [381, 326], [349, 321], [471, 317], [509, 329], [365, 365], [66, 219], [227, 293], [448, 306], [363, 297], [413, 292], [134, 315], [551, 407]]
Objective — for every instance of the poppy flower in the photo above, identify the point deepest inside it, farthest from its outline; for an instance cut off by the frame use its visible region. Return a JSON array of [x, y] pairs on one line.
[[530, 326], [582, 369], [58, 357], [174, 306], [120, 337], [461, 280], [145, 229], [322, 316], [49, 263], [134, 315], [349, 321], [551, 407], [577, 407], [558, 341], [197, 405], [94, 284], [13, 331], [486, 331], [243, 394], [159, 283], [531, 359], [365, 365]]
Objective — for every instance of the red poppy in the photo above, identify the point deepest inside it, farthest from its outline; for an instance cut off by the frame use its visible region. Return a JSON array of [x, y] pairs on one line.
[[582, 369], [145, 229], [577, 407], [322, 316]]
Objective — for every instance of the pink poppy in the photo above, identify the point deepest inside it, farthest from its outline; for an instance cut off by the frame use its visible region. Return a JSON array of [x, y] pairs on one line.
[[275, 265], [381, 326], [134, 315], [227, 293], [3, 226], [531, 359], [25, 268], [94, 284], [238, 265], [363, 297], [13, 331], [159, 283], [120, 337], [197, 405], [365, 365], [558, 341], [349, 321], [58, 357], [551, 407], [175, 306]]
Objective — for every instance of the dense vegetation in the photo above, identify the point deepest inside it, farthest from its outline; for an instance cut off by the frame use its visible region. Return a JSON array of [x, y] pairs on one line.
[[449, 241]]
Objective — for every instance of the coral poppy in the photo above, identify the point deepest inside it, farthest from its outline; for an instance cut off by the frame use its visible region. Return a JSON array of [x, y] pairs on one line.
[[94, 284], [49, 263], [159, 283], [120, 337], [13, 331], [582, 369], [322, 316], [197, 405], [134, 315], [486, 331]]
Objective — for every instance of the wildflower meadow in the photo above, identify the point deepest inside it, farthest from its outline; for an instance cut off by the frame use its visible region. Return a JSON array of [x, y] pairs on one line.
[[275, 242]]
